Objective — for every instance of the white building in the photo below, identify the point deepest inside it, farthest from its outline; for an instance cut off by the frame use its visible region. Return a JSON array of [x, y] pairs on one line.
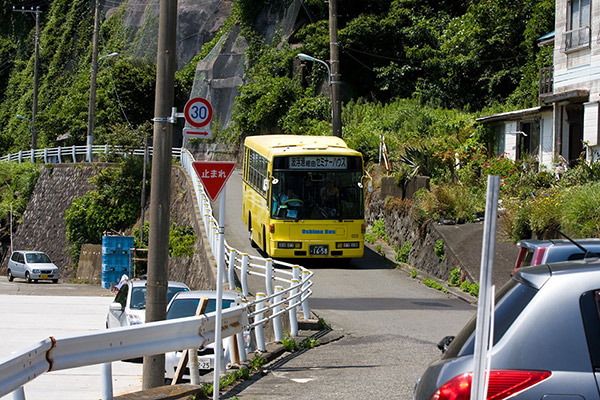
[[566, 123]]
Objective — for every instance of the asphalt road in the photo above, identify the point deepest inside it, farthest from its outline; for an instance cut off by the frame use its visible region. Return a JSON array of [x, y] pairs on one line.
[[36, 311], [391, 324]]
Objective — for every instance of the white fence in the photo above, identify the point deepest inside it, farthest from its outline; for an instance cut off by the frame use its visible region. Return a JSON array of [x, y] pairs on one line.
[[290, 294], [73, 153]]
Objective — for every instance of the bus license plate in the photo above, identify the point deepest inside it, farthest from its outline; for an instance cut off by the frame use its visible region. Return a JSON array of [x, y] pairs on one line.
[[204, 363], [318, 250]]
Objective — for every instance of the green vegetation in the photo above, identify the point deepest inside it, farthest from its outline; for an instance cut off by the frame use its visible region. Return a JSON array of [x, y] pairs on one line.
[[378, 230], [434, 285], [289, 344], [455, 276], [403, 252], [17, 182], [181, 241], [471, 288], [439, 249], [113, 204], [257, 362], [413, 273]]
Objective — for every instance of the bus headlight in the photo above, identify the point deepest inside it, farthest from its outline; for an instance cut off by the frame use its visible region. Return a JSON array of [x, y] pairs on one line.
[[289, 245], [347, 245]]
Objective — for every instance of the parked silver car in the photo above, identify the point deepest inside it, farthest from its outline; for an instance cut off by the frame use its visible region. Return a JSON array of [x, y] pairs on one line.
[[546, 339], [129, 305], [32, 266], [535, 252], [185, 305]]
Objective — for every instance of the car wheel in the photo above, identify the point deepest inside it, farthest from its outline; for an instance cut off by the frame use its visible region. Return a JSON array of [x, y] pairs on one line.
[[54, 280], [27, 277], [10, 276]]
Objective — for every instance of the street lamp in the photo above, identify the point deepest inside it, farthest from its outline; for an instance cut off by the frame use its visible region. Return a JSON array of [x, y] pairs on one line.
[[306, 57], [335, 105], [92, 104]]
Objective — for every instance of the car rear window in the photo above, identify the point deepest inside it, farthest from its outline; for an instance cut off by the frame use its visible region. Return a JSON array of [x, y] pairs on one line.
[[510, 301], [172, 291], [181, 308]]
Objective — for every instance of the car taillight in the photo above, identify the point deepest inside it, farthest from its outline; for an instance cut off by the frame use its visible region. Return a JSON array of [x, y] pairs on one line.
[[502, 384], [538, 256]]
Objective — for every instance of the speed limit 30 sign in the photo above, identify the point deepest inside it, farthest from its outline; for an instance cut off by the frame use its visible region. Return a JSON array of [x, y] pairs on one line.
[[198, 112]]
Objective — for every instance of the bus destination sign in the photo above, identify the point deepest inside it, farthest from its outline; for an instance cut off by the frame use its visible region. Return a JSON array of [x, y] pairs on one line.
[[318, 162]]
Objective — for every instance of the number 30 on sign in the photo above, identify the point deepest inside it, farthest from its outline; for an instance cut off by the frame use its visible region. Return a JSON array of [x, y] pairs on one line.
[[198, 112]]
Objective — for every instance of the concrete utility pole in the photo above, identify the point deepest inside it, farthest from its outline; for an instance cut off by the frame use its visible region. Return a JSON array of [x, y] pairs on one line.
[[36, 13], [92, 102], [160, 193], [336, 103]]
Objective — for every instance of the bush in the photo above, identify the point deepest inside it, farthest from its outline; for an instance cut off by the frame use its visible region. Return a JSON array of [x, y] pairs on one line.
[[378, 230], [449, 201], [403, 252], [455, 276], [439, 248], [581, 210], [113, 204], [471, 288]]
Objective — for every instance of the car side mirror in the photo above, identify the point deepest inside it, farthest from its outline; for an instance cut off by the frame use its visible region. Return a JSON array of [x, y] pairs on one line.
[[115, 306], [444, 343]]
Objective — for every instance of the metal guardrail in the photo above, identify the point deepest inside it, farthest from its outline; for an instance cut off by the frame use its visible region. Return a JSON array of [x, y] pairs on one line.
[[105, 346], [159, 337], [72, 153]]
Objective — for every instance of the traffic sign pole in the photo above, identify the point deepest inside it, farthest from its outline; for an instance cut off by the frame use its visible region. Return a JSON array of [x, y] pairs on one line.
[[219, 310], [214, 176]]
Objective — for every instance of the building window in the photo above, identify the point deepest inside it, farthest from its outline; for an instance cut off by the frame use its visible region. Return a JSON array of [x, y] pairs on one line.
[[577, 35]]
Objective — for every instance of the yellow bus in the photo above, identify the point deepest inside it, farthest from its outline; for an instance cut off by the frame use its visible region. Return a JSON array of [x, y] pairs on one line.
[[303, 196]]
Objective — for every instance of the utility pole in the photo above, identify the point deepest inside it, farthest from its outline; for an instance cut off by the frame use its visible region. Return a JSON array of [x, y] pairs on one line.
[[336, 103], [36, 13], [92, 102], [158, 243]]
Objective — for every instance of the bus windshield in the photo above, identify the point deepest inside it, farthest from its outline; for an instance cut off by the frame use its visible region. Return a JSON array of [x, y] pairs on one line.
[[317, 195]]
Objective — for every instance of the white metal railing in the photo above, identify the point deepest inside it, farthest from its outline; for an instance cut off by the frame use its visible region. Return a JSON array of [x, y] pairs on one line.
[[105, 346], [70, 154], [159, 337]]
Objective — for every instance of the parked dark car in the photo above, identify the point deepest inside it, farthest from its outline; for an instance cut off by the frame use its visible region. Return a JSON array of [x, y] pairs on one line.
[[535, 252], [546, 339]]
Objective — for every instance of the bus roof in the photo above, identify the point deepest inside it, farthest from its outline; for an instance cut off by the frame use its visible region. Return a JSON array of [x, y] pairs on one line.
[[277, 145]]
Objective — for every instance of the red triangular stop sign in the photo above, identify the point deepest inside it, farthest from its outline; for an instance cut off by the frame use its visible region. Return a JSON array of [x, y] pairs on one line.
[[213, 175]]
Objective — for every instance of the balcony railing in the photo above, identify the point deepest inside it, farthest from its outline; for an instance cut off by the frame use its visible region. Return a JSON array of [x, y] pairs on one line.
[[577, 39], [546, 81]]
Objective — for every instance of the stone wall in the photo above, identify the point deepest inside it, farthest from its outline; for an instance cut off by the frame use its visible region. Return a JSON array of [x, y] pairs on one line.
[[462, 242], [43, 227], [401, 228]]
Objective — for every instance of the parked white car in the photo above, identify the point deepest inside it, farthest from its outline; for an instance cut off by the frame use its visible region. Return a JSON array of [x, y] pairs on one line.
[[32, 266], [129, 305], [185, 305]]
